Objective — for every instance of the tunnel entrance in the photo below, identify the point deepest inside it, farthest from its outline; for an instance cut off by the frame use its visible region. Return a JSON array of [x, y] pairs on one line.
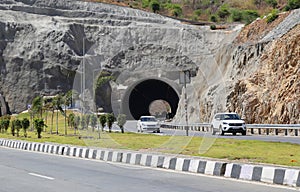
[[148, 91]]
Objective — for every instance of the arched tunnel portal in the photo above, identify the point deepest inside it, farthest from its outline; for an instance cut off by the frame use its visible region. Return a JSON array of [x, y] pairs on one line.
[[144, 93]]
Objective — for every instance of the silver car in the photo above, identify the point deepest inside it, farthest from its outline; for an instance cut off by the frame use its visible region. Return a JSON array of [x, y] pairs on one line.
[[148, 123]]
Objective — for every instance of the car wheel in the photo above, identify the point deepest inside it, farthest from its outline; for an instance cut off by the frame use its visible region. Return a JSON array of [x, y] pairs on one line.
[[222, 132], [158, 131], [244, 133], [234, 133], [213, 130]]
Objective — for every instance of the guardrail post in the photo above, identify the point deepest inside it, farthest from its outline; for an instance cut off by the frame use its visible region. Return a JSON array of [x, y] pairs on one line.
[[285, 132], [259, 131], [252, 131], [296, 132], [268, 131], [276, 131]]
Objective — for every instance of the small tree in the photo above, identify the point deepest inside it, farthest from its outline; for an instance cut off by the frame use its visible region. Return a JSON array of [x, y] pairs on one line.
[[83, 122], [1, 126], [87, 120], [13, 127], [110, 118], [37, 106], [121, 121], [76, 123], [57, 102], [18, 126], [2, 129], [39, 125], [71, 120], [4, 123], [102, 120], [25, 124], [93, 119], [67, 100]]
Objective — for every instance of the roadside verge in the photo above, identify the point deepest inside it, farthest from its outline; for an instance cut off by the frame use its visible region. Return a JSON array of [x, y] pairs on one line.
[[259, 173]]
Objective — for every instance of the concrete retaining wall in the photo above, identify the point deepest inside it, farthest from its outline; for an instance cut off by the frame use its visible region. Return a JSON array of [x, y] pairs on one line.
[[259, 173]]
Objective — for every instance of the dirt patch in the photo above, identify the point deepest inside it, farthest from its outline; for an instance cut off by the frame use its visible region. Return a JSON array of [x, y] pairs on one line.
[[258, 29]]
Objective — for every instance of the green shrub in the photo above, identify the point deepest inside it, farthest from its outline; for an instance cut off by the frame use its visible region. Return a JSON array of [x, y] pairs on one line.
[[4, 123], [39, 126], [213, 27], [76, 123], [12, 127], [93, 120], [25, 125], [197, 12], [223, 11], [236, 15], [102, 120], [176, 10], [272, 3], [121, 121], [292, 4], [272, 16], [155, 6], [249, 16], [18, 126], [83, 122], [110, 118], [214, 18], [145, 3]]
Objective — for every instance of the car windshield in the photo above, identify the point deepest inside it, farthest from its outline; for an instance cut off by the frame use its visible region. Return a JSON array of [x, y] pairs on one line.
[[148, 119], [230, 117]]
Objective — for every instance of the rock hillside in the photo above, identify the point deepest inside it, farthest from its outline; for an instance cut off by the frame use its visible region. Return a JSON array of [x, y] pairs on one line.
[[44, 45], [261, 75]]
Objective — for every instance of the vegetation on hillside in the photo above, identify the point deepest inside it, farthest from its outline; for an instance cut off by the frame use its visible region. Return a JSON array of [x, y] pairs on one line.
[[220, 11]]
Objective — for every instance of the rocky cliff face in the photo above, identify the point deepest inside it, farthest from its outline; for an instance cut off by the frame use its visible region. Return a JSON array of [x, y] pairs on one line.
[[260, 80], [271, 93]]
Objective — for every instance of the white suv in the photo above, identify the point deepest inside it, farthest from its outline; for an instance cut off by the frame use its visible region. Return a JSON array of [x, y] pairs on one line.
[[228, 123], [148, 123]]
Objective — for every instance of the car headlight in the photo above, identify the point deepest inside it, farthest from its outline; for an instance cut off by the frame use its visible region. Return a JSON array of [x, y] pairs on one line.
[[142, 124], [225, 123]]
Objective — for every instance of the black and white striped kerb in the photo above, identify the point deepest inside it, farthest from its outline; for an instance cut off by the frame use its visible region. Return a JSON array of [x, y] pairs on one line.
[[267, 174]]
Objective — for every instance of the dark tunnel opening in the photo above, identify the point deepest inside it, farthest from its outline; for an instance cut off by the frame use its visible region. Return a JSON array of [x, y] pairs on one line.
[[148, 91]]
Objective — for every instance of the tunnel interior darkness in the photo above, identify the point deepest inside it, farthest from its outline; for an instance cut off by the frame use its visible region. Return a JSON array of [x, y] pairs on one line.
[[148, 91]]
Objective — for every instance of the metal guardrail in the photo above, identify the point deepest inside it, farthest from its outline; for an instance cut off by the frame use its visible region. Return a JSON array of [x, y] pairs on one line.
[[261, 128]]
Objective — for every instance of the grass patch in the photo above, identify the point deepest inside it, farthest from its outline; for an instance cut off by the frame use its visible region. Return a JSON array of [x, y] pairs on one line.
[[227, 149]]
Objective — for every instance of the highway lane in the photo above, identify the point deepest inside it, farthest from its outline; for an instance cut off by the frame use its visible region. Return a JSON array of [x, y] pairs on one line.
[[130, 126], [35, 172]]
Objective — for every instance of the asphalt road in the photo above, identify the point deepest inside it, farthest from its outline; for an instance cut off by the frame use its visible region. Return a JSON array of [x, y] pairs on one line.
[[35, 172], [130, 126]]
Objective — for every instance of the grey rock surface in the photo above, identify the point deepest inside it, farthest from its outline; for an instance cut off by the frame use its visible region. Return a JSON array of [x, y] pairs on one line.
[[46, 44]]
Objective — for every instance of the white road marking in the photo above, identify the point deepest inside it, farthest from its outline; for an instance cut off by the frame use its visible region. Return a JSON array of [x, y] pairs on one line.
[[41, 176]]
